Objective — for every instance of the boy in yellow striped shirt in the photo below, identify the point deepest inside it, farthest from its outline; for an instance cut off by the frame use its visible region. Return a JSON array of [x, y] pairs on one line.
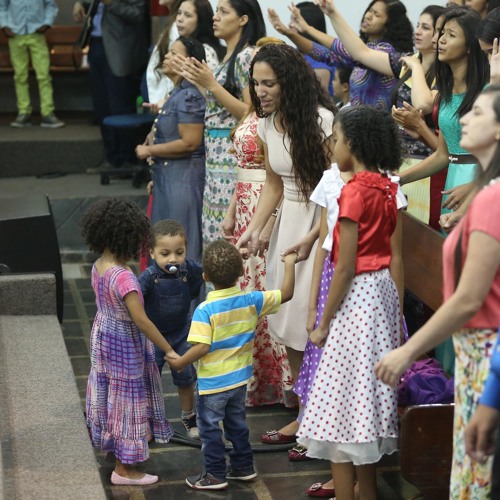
[[222, 333]]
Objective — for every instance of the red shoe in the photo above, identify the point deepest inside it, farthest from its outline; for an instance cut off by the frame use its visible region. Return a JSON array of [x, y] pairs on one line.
[[317, 490], [275, 437], [298, 454]]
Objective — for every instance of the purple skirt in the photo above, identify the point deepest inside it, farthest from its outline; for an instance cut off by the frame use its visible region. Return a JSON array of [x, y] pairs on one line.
[[312, 354]]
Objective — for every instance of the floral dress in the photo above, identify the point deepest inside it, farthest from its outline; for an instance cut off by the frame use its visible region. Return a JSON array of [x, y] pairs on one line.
[[474, 344], [124, 406], [272, 380], [220, 168]]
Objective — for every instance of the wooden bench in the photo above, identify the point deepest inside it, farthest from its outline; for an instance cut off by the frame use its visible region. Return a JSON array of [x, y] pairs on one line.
[[426, 441], [65, 53]]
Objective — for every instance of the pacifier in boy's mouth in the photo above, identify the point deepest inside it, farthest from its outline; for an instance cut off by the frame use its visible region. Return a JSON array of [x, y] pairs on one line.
[[171, 268]]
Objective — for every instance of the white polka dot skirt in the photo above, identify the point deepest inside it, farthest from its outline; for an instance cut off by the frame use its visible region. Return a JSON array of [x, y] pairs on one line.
[[350, 415]]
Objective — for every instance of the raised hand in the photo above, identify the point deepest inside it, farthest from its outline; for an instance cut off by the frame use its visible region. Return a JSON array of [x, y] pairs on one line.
[[278, 25], [198, 73], [410, 62], [495, 63], [297, 22], [327, 6]]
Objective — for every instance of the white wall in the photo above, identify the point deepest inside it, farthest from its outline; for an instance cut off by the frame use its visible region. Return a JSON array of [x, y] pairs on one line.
[[352, 10]]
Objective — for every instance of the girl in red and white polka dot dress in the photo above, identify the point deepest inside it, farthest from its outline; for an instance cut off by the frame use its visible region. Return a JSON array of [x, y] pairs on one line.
[[350, 417]]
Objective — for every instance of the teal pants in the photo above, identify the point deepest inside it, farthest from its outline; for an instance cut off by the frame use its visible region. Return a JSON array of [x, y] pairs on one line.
[[22, 47]]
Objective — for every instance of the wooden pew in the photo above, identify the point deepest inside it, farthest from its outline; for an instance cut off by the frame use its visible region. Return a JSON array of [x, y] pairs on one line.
[[426, 440], [65, 54]]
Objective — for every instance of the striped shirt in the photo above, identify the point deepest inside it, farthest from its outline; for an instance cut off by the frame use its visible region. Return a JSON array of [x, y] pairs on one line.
[[226, 321]]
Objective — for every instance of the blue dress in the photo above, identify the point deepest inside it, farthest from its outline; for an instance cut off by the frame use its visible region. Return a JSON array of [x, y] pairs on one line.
[[178, 182], [449, 124]]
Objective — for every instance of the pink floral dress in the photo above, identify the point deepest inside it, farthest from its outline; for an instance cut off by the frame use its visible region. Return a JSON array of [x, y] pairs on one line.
[[272, 380]]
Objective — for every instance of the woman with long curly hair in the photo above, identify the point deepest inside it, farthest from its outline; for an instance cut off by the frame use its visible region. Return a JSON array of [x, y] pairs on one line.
[[385, 35], [296, 116]]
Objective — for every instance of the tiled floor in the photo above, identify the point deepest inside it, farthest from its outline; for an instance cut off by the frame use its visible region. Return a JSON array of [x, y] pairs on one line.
[[278, 478]]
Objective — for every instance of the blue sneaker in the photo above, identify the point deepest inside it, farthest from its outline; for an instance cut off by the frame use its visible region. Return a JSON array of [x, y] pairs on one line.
[[205, 481]]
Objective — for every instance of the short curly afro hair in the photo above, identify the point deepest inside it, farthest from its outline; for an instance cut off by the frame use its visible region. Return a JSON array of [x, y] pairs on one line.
[[373, 137], [117, 225], [222, 263]]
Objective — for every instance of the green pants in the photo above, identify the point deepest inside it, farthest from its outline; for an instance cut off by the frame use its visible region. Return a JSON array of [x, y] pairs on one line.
[[21, 48]]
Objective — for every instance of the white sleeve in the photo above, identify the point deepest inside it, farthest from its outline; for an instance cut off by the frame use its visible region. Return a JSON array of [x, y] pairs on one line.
[[210, 56]]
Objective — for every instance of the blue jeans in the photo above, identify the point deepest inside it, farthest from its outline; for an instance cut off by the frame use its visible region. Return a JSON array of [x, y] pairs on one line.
[[228, 407]]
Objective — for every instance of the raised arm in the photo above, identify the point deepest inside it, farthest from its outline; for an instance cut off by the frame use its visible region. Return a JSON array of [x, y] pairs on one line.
[[374, 59], [201, 75], [422, 97]]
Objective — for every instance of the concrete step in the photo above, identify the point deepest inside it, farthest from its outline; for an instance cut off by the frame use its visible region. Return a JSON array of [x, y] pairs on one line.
[[39, 151]]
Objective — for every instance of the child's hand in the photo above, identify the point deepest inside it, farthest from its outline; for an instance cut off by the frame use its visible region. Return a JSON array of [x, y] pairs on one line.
[[290, 258], [318, 337], [174, 361]]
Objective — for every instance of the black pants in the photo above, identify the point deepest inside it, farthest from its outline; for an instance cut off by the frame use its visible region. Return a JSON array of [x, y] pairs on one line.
[[112, 95]]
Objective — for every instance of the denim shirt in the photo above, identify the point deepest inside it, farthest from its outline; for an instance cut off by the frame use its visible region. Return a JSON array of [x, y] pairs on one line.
[[24, 17], [167, 297]]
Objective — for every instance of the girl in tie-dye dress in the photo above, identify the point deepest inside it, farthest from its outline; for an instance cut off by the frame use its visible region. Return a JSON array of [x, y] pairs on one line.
[[124, 405]]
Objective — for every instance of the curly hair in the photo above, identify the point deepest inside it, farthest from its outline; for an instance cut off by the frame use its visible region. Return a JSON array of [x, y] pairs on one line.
[[222, 263], [117, 225], [372, 136], [167, 227], [478, 69], [204, 31], [301, 97], [398, 28]]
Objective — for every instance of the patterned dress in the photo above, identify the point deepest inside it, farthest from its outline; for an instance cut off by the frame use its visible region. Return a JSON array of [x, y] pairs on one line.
[[272, 380], [366, 86], [351, 416], [125, 407], [474, 344], [220, 169]]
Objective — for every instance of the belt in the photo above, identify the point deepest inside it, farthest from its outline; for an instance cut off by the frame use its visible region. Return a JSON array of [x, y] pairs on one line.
[[462, 159], [218, 133]]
